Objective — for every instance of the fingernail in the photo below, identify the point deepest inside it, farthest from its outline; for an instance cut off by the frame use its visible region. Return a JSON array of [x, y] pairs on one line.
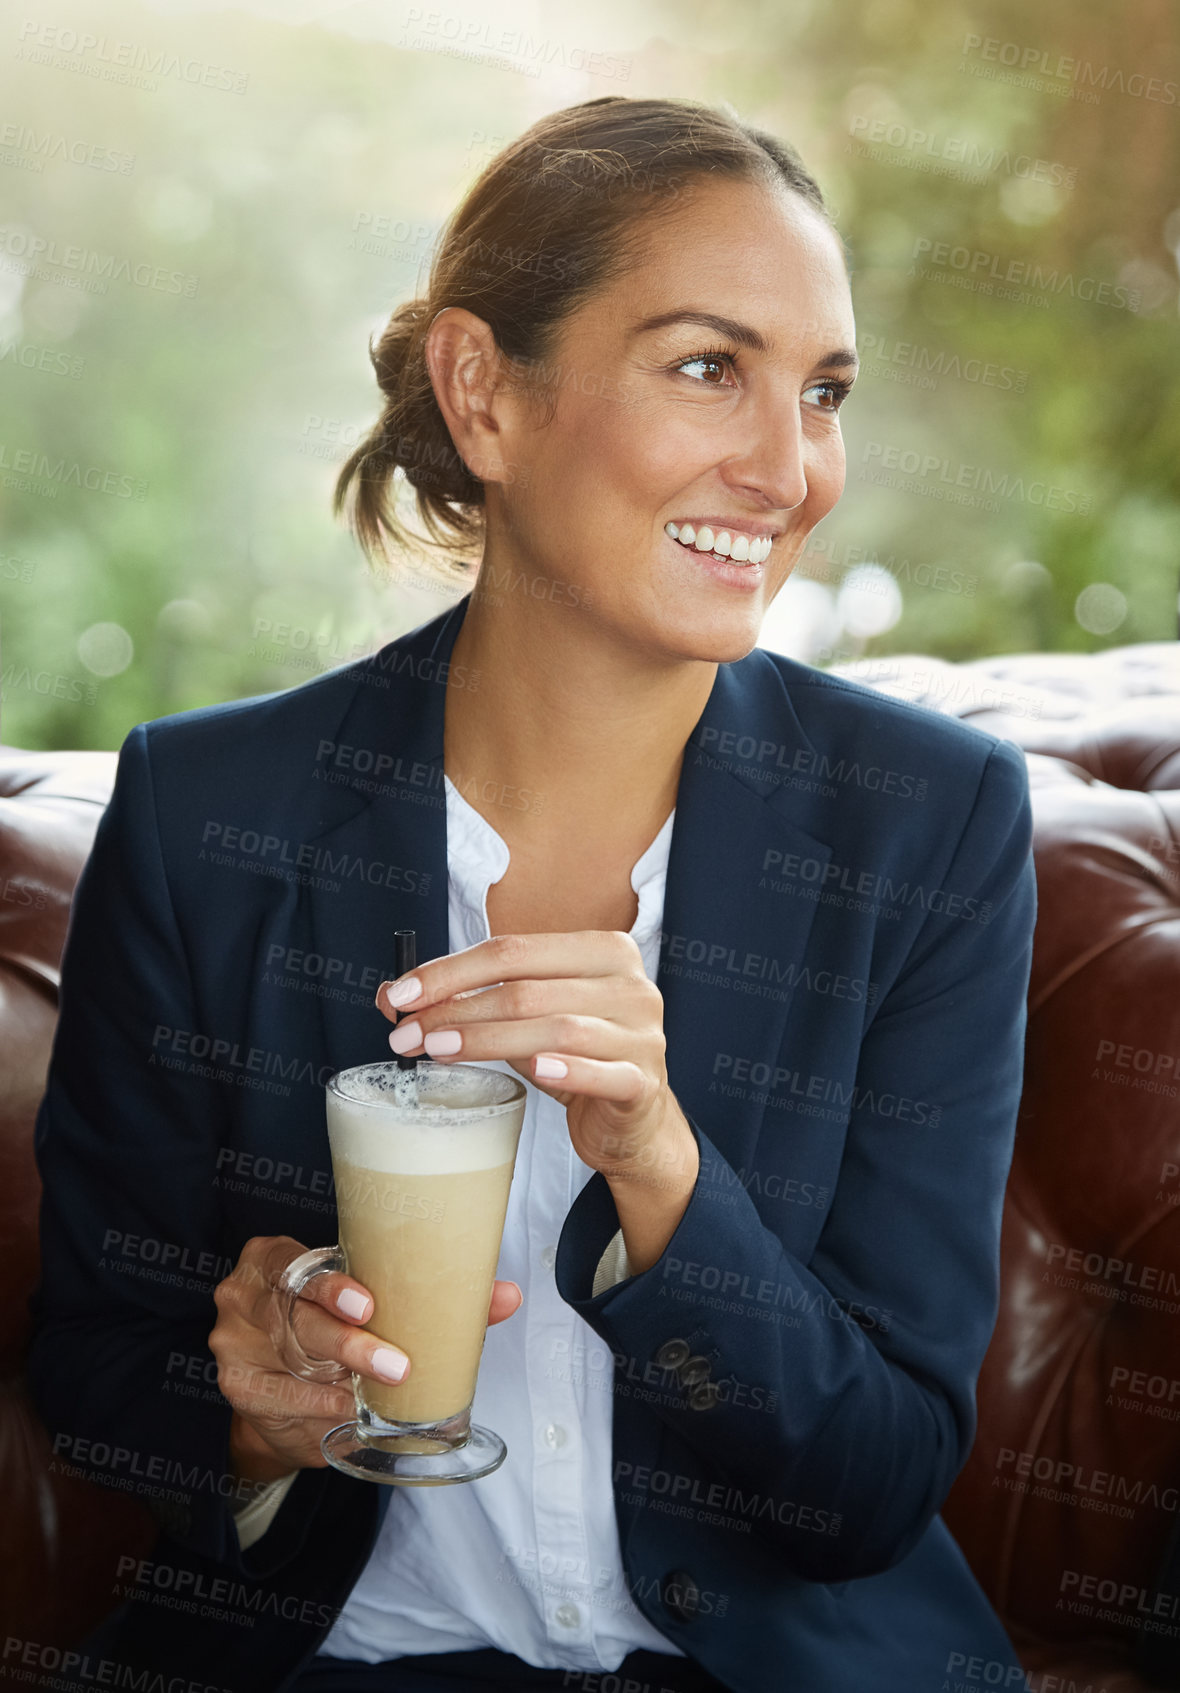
[[388, 1363], [401, 993], [352, 1303], [406, 1036], [552, 1069], [441, 1043]]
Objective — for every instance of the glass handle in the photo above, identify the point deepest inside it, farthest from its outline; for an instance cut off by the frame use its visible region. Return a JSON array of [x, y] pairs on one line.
[[280, 1317]]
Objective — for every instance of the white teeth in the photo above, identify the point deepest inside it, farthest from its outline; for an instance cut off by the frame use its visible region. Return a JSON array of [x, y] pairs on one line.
[[741, 549]]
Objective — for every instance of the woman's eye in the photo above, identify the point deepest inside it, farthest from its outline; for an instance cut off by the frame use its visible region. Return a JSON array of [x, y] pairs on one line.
[[718, 361], [836, 388]]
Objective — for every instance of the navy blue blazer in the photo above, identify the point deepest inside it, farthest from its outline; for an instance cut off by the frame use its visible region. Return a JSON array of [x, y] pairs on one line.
[[844, 960]]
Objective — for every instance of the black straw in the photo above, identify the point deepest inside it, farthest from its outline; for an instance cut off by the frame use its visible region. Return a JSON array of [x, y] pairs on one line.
[[405, 958]]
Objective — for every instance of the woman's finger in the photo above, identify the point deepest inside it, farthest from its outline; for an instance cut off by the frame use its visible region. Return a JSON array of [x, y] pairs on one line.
[[627, 1000], [564, 1033], [504, 958]]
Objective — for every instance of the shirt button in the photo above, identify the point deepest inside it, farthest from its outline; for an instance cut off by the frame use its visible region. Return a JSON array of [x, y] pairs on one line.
[[568, 1616], [554, 1435], [548, 1256]]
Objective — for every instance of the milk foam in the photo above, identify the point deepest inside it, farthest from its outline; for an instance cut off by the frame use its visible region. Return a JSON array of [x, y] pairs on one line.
[[367, 1129]]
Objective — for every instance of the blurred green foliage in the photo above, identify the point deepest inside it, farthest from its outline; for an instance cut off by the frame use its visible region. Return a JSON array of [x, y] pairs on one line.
[[185, 365]]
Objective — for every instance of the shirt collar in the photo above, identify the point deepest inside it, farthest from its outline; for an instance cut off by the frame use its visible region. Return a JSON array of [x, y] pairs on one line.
[[478, 856]]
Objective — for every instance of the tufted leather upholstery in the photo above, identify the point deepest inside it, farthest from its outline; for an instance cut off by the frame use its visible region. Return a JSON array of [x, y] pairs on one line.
[[1095, 1173], [61, 1536]]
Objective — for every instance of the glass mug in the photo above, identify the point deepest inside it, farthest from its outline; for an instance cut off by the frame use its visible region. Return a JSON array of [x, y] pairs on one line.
[[421, 1196]]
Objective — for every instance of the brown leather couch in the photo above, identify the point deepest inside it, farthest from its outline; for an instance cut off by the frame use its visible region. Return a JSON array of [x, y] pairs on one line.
[[1069, 1500], [62, 1537]]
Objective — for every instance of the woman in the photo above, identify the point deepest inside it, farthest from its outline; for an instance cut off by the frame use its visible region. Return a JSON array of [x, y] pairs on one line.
[[762, 945]]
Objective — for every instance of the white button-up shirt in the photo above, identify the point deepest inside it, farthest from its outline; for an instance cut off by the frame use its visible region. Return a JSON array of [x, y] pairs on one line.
[[526, 1560]]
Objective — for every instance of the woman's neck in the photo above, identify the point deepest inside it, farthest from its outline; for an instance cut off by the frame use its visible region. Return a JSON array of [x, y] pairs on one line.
[[567, 713]]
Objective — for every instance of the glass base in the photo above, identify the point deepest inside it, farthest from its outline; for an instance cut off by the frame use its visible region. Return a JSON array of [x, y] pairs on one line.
[[368, 1460]]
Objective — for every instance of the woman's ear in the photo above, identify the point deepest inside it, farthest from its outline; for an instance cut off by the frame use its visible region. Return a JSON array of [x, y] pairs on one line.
[[468, 374]]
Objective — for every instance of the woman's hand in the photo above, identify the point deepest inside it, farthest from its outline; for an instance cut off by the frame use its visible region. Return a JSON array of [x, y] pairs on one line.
[[577, 1015], [280, 1419]]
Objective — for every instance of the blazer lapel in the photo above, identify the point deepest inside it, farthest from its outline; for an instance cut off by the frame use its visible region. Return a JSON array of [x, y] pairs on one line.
[[731, 951], [380, 859]]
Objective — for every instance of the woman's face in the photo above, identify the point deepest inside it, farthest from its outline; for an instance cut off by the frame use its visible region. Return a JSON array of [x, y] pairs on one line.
[[688, 423]]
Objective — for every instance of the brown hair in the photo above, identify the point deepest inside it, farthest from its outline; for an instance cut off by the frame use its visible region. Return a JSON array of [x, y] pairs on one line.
[[557, 214]]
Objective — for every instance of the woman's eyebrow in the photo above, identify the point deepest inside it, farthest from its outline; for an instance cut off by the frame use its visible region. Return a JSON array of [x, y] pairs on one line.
[[743, 333]]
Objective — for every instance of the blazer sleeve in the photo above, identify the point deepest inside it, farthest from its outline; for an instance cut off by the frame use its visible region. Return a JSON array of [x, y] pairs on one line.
[[126, 1147], [873, 1392]]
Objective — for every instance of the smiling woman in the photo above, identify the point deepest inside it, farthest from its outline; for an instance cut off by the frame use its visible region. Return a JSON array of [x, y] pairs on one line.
[[622, 388]]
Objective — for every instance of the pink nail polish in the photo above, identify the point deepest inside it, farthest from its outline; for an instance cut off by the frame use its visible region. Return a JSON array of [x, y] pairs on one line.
[[443, 1043], [390, 1364]]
